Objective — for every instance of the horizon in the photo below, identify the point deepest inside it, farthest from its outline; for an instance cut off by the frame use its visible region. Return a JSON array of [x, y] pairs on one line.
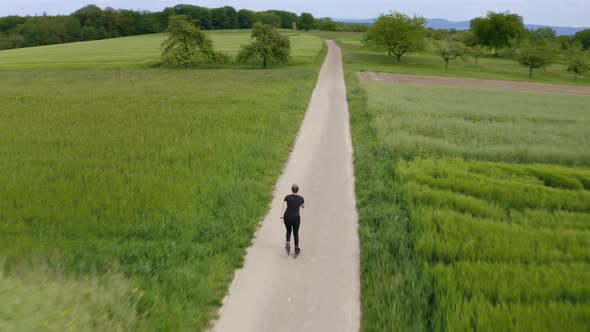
[[343, 19], [569, 13]]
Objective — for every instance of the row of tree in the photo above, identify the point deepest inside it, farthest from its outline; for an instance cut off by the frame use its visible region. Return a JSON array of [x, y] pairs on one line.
[[188, 45], [500, 34], [92, 22]]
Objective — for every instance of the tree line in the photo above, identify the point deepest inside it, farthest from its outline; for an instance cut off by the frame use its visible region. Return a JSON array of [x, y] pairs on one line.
[[92, 23], [498, 34]]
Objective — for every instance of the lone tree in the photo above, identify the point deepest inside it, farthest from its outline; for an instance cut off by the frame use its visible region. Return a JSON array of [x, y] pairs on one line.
[[187, 45], [537, 55], [449, 50], [267, 46], [396, 34], [497, 29], [577, 61]]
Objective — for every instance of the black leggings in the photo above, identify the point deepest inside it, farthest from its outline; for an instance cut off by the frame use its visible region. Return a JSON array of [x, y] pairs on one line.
[[292, 223]]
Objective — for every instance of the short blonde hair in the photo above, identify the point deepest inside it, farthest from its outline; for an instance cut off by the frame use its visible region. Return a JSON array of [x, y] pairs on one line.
[[294, 188]]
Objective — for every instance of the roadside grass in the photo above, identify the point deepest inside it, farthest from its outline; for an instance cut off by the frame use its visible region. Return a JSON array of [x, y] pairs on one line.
[[393, 294], [137, 52], [472, 214], [162, 175], [358, 58]]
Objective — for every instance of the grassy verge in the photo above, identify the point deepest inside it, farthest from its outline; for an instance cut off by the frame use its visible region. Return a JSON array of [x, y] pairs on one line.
[[394, 298], [465, 224], [162, 175]]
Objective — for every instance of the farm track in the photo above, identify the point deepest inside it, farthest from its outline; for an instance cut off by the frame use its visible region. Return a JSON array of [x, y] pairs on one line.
[[471, 83], [320, 290]]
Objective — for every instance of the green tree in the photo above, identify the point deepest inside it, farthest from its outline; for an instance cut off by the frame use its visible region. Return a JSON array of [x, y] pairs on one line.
[[546, 33], [396, 34], [583, 37], [327, 24], [200, 15], [224, 18], [69, 29], [147, 23], [88, 33], [269, 18], [124, 24], [535, 55], [8, 23], [356, 27], [496, 29], [32, 31], [577, 61], [12, 40], [91, 16], [46, 30], [232, 16], [466, 37], [306, 21], [219, 19], [267, 46], [246, 19], [186, 44], [476, 52], [287, 18], [449, 50], [564, 41]]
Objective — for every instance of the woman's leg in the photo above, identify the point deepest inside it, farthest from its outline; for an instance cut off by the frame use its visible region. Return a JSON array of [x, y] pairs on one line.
[[296, 222], [288, 227]]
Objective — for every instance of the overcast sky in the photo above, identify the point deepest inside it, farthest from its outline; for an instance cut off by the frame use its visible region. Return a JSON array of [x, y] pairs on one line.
[[575, 13]]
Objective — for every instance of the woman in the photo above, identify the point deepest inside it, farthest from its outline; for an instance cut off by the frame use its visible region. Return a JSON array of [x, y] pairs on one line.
[[291, 217]]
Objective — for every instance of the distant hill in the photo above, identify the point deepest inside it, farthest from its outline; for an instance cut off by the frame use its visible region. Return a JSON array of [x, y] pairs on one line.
[[441, 23]]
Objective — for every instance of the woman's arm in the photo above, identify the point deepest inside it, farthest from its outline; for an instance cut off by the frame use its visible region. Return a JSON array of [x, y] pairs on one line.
[[283, 209]]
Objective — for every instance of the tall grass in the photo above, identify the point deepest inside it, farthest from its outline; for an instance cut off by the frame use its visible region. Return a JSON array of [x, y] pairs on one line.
[[161, 174]]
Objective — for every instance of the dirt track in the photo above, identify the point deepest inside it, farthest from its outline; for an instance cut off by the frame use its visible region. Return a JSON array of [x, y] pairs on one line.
[[471, 82], [320, 290]]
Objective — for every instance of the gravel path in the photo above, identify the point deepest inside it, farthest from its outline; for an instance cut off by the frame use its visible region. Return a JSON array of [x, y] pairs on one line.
[[320, 290], [471, 82]]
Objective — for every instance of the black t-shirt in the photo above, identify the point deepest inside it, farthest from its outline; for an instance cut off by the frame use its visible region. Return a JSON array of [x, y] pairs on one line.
[[293, 204]]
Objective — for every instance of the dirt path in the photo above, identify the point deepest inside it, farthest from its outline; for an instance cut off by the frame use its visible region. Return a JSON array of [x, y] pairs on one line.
[[320, 290], [471, 82]]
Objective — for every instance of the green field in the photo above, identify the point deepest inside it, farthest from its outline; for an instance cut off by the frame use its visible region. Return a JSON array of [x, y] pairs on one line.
[[136, 51], [140, 186], [503, 246], [474, 208], [357, 57], [513, 126], [133, 191]]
